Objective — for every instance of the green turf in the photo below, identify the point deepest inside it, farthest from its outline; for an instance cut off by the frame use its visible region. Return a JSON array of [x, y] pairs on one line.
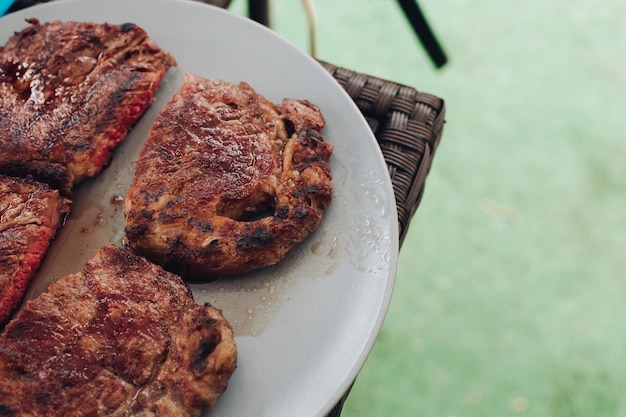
[[511, 286]]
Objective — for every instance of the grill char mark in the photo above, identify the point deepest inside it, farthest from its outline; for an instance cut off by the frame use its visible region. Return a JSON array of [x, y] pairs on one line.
[[69, 93]]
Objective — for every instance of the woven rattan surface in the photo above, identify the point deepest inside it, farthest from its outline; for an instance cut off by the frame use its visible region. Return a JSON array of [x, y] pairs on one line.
[[407, 124]]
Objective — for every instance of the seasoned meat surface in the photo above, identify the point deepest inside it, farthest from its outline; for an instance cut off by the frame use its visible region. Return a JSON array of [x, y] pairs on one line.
[[121, 338], [30, 215], [69, 93], [227, 182]]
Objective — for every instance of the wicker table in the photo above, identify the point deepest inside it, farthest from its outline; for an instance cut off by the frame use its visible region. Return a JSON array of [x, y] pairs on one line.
[[408, 126]]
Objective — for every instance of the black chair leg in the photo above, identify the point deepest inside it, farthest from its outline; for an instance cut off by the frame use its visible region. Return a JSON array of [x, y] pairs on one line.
[[258, 10], [424, 33]]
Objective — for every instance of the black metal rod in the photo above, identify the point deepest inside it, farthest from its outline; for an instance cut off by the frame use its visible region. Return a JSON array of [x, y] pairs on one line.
[[258, 10], [424, 33]]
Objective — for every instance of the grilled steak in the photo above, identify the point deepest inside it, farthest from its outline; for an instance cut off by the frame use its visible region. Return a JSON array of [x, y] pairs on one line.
[[227, 182], [122, 338], [30, 215], [69, 92]]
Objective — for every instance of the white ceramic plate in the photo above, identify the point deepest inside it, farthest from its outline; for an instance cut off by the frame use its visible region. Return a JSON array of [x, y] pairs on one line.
[[304, 327]]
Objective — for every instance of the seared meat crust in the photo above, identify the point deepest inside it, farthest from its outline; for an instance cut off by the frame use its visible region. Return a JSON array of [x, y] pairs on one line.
[[227, 182], [30, 215], [122, 338], [69, 93]]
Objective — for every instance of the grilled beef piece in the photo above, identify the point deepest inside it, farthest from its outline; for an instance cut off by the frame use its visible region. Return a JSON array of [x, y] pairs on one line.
[[227, 182], [30, 215], [122, 338], [69, 92]]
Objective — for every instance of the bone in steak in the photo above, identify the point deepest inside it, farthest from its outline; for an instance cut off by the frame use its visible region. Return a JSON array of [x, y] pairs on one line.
[[69, 93], [30, 215], [227, 182], [122, 338]]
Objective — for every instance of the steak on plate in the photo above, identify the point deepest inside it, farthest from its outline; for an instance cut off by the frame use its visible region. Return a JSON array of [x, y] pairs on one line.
[[30, 215], [69, 93], [121, 338], [227, 182]]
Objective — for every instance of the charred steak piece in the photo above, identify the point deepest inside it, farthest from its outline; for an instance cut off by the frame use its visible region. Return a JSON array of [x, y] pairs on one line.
[[69, 92], [30, 215], [122, 338], [227, 182]]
